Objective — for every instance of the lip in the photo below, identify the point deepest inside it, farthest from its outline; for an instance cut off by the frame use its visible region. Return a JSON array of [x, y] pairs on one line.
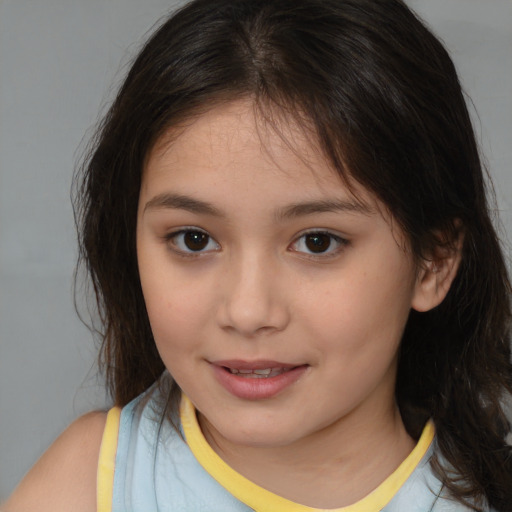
[[248, 388], [260, 364]]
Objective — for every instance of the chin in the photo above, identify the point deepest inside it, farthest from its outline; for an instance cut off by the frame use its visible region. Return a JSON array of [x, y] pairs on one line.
[[257, 434]]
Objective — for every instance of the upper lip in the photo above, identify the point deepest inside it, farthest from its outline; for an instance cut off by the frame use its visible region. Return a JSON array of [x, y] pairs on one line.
[[259, 364]]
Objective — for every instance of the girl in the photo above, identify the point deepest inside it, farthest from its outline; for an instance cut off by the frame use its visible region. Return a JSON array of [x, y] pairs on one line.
[[305, 305]]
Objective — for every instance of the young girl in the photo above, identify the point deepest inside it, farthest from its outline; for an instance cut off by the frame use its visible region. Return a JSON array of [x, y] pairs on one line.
[[305, 305]]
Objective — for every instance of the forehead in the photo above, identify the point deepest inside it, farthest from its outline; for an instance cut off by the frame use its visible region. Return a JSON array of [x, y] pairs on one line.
[[243, 145]]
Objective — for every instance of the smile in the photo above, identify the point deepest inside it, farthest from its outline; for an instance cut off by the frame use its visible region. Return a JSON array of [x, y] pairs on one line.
[[257, 380]]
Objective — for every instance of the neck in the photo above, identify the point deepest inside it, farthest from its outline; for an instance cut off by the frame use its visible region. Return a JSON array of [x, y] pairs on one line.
[[334, 467]]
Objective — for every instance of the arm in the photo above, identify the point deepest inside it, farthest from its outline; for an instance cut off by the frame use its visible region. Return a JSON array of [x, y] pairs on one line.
[[64, 478]]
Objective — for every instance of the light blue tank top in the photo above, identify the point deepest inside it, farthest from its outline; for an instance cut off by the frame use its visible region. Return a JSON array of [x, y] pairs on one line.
[[146, 465]]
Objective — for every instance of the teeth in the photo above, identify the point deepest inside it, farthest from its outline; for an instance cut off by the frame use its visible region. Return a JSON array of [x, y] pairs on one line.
[[262, 373], [265, 372]]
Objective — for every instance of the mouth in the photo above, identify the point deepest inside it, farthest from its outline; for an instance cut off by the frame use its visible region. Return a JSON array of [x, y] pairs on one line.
[[260, 369], [257, 380], [258, 373]]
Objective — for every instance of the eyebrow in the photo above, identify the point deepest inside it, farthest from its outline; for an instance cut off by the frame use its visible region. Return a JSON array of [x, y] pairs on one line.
[[323, 206], [181, 202]]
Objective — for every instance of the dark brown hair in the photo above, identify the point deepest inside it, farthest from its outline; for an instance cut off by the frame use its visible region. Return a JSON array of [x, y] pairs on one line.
[[385, 102]]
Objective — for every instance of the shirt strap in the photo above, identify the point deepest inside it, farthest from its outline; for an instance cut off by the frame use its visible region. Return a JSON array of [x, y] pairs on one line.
[[107, 461]]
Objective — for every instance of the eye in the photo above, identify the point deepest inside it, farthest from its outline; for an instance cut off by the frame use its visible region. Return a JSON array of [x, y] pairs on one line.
[[318, 243], [190, 241]]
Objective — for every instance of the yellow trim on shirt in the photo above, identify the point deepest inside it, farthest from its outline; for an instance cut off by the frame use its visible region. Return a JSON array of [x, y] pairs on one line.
[[107, 461], [262, 500]]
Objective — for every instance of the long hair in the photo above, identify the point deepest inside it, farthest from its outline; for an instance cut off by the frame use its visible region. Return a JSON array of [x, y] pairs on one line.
[[386, 105]]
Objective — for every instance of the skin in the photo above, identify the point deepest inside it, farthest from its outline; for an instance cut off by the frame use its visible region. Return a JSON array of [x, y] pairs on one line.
[[256, 292], [64, 478]]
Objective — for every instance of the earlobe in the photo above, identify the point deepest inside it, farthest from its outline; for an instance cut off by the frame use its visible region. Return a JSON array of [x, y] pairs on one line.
[[435, 278]]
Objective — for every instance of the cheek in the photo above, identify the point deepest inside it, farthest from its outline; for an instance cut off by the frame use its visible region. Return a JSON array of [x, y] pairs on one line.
[[174, 330], [172, 313], [164, 304], [363, 309], [179, 311]]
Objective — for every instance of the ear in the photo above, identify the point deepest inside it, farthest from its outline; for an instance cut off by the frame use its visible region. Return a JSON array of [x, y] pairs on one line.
[[437, 273]]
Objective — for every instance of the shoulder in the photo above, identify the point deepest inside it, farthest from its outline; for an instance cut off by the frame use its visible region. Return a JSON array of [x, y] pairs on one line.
[[64, 478]]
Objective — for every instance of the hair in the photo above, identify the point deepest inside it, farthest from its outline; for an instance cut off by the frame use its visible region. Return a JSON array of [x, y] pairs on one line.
[[385, 103]]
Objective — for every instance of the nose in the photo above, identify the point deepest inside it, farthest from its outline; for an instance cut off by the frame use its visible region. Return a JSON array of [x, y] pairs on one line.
[[253, 301]]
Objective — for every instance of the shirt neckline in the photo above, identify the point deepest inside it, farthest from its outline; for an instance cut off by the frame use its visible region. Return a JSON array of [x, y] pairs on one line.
[[262, 500]]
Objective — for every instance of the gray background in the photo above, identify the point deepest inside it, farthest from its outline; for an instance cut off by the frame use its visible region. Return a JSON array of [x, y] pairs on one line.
[[60, 62]]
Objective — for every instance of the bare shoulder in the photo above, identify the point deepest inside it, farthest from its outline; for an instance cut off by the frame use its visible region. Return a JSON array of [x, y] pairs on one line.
[[64, 478]]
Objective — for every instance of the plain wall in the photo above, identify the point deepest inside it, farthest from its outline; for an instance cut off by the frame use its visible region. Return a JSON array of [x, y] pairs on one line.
[[60, 61]]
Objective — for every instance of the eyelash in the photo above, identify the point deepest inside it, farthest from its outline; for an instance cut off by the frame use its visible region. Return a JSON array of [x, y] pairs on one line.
[[171, 240], [309, 252], [328, 253]]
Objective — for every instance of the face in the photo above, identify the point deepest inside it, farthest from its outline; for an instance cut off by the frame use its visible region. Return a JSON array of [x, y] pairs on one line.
[[277, 300]]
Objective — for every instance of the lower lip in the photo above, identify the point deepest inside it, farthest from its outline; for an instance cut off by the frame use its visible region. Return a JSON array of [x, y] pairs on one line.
[[257, 388]]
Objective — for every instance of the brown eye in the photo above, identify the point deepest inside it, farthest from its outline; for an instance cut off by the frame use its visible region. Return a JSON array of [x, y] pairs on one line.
[[195, 240], [318, 242], [189, 241]]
